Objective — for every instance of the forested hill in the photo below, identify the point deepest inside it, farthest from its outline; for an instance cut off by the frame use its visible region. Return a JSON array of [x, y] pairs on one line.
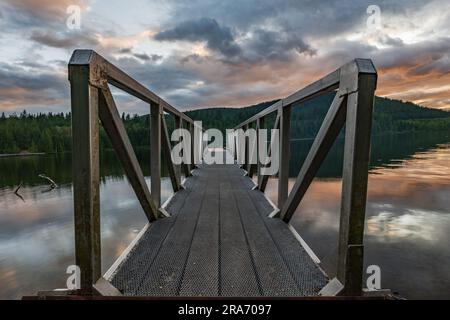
[[52, 133], [389, 116]]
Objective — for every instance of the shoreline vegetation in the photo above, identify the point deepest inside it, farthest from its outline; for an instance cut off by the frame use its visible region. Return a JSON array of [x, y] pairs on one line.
[[28, 134]]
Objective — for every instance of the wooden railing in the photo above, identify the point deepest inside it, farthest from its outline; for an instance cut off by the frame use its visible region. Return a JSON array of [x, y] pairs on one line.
[[354, 84], [91, 98], [90, 76]]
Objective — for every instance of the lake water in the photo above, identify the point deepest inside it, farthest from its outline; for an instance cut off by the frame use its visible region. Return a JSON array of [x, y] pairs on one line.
[[407, 228]]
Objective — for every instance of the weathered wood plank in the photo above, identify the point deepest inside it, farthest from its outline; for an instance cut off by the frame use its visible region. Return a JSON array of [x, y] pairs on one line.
[[328, 132], [133, 271], [117, 134], [235, 258], [166, 273], [305, 272], [201, 273], [270, 269], [219, 244]]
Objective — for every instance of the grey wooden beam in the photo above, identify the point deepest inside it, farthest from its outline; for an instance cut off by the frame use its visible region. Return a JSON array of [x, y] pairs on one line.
[[186, 166], [198, 144], [204, 142], [252, 149], [283, 173], [260, 123], [246, 148], [107, 72], [156, 112], [115, 129], [166, 145], [178, 167], [121, 80], [331, 126], [354, 185], [191, 131], [328, 83], [263, 183], [86, 176], [236, 147]]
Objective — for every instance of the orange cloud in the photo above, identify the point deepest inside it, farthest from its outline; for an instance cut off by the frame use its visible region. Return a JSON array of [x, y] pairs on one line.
[[431, 89], [46, 8]]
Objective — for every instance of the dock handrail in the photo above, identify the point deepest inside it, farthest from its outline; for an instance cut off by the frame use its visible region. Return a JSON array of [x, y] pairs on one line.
[[91, 100], [90, 75], [352, 106]]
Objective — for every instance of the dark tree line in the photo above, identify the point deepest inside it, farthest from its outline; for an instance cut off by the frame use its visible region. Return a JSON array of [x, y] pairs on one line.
[[35, 133], [51, 132], [389, 116]]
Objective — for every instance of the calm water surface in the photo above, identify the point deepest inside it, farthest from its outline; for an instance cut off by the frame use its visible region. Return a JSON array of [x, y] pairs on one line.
[[407, 229]]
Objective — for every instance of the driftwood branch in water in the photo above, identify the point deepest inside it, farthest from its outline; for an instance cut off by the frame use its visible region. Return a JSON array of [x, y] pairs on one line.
[[18, 188], [53, 184], [16, 192]]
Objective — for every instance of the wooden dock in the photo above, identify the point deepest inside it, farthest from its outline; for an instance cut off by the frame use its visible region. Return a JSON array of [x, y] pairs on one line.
[[219, 241], [219, 236]]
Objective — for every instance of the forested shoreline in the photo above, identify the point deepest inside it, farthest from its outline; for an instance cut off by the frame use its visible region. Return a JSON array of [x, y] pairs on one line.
[[51, 132]]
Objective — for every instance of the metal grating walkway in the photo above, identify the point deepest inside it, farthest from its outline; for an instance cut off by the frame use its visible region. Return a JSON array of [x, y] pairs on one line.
[[219, 242]]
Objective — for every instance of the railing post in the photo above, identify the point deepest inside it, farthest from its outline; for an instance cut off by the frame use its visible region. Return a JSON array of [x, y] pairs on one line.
[[259, 126], [85, 165], [246, 148], [252, 149], [235, 147], [283, 174], [167, 148], [186, 167], [197, 145], [156, 113], [264, 179], [200, 148], [203, 141], [354, 185], [178, 166], [191, 130]]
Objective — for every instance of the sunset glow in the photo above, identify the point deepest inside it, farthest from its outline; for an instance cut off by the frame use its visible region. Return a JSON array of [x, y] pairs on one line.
[[233, 53]]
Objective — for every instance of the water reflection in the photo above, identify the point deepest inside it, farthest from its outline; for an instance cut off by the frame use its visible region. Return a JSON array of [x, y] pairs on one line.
[[37, 235], [408, 218], [407, 221]]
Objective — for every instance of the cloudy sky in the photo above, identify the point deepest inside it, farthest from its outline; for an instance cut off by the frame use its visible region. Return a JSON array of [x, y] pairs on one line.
[[200, 53]]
